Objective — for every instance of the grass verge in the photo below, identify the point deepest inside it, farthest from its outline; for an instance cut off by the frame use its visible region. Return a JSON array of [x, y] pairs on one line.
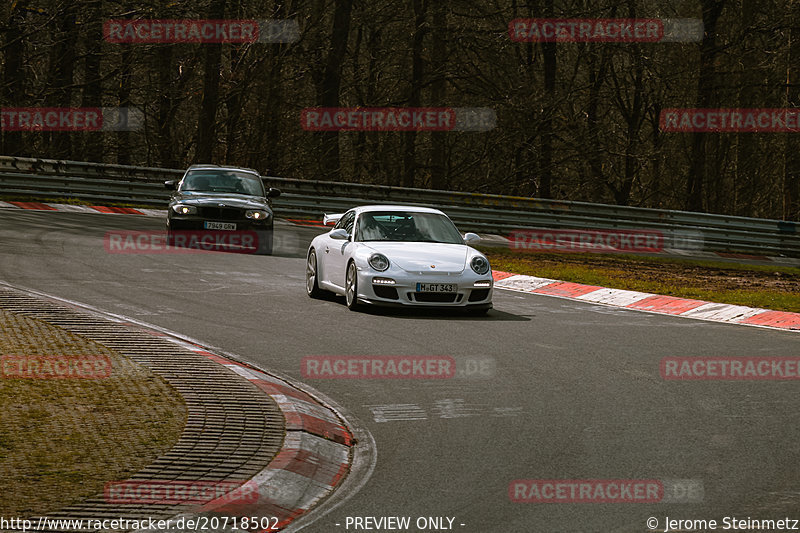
[[61, 440]]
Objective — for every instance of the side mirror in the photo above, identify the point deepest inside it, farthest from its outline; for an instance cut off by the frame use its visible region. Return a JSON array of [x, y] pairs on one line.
[[171, 184], [273, 193], [339, 234], [471, 238]]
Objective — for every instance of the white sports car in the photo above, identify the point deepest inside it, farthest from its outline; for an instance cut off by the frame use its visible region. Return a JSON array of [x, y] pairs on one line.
[[401, 256]]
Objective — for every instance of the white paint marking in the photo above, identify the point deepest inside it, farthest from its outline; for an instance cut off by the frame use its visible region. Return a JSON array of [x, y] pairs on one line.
[[397, 412], [523, 283], [616, 297], [722, 312]]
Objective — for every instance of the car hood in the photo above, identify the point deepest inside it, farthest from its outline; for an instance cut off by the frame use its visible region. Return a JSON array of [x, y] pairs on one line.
[[425, 257], [213, 200]]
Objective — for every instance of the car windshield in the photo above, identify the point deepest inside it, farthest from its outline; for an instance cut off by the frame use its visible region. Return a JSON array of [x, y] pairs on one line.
[[405, 226], [222, 181]]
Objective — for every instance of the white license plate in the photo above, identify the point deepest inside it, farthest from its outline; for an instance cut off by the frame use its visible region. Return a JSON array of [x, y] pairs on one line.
[[220, 225], [437, 287]]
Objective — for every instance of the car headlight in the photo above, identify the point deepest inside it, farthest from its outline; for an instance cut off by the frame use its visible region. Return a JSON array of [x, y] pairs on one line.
[[379, 262], [184, 209], [256, 214], [479, 264]]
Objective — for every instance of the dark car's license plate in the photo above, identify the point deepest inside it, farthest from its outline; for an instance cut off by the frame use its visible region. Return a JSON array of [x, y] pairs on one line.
[[220, 225]]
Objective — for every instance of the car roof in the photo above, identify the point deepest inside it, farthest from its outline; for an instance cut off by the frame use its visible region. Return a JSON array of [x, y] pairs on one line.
[[412, 208], [219, 167]]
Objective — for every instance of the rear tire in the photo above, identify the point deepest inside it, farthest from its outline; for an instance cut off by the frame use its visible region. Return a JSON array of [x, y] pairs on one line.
[[312, 284], [351, 287]]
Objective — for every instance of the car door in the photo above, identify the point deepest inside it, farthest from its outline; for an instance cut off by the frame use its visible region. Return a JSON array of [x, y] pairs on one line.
[[336, 251]]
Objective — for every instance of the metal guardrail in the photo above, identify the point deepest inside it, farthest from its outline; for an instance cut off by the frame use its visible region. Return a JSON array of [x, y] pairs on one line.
[[485, 213]]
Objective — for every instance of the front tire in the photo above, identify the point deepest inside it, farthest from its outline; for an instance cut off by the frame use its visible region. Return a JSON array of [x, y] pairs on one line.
[[312, 285], [264, 242], [351, 287]]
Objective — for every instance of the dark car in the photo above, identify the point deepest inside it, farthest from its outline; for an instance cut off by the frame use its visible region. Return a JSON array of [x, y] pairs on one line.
[[223, 201]]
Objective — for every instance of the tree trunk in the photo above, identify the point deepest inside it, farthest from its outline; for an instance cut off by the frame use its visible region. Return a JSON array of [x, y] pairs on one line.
[[13, 80], [791, 179], [166, 148], [331, 84], [62, 62], [93, 90], [207, 120], [550, 73], [439, 55], [712, 9], [414, 99]]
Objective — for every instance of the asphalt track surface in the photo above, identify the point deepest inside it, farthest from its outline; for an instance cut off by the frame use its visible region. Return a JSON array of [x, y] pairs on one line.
[[577, 392]]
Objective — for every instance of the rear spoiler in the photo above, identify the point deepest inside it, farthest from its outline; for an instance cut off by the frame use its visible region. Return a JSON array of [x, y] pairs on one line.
[[327, 220]]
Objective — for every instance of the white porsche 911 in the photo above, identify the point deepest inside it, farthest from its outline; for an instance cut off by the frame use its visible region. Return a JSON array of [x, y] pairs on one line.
[[399, 256]]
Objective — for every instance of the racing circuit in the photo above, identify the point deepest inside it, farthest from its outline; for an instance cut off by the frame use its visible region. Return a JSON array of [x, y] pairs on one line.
[[574, 393]]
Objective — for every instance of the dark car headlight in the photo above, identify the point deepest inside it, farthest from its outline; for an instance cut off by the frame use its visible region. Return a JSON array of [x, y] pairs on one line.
[[182, 209], [479, 264], [256, 214], [379, 262]]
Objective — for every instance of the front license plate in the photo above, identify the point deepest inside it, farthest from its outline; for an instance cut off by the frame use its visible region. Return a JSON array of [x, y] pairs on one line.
[[220, 225], [437, 287]]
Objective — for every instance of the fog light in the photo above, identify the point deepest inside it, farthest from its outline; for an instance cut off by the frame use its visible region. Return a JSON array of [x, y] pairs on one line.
[[383, 281], [483, 284]]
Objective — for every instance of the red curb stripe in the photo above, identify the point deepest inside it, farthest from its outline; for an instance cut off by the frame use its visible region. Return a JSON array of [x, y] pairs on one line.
[[264, 508], [666, 304], [776, 319], [307, 464], [321, 428], [276, 389], [34, 205], [116, 210], [215, 358], [306, 222], [497, 275], [564, 288], [343, 469], [743, 256]]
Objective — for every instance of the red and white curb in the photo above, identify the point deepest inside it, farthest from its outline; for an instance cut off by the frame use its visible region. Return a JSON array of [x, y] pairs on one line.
[[69, 208], [653, 303], [317, 457], [314, 459]]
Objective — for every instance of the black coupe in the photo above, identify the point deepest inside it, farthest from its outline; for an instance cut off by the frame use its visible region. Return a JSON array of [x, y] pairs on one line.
[[225, 206]]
